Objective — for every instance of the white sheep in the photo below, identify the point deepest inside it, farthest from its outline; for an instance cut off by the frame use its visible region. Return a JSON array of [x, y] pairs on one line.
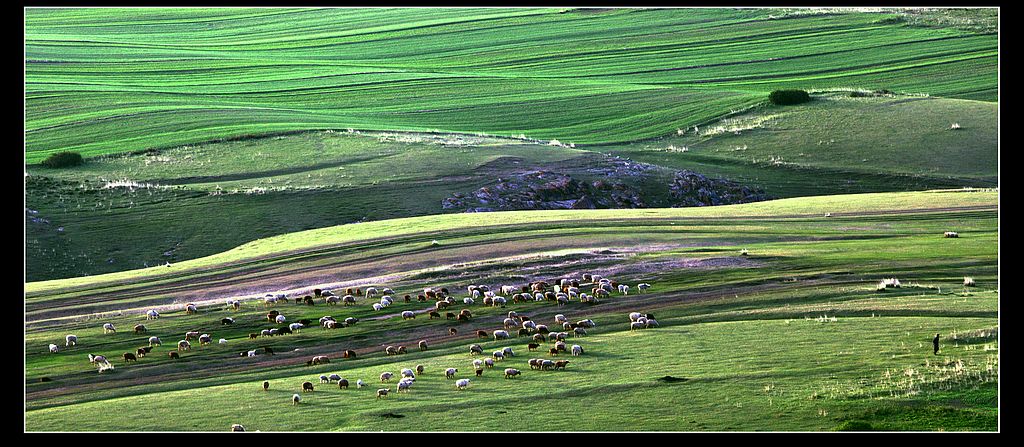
[[588, 323], [100, 361], [70, 340], [498, 301], [623, 289], [360, 383], [501, 335], [332, 299], [205, 339], [408, 314], [386, 376], [461, 384], [577, 350], [529, 324], [296, 399], [642, 287], [108, 328], [489, 363], [371, 291], [512, 314], [509, 323], [383, 392], [450, 373], [403, 385], [387, 291], [152, 314], [538, 296], [468, 301], [633, 316], [508, 352], [184, 345], [579, 332], [237, 427], [498, 355], [562, 300], [334, 377], [294, 327], [377, 306], [154, 341], [280, 319], [53, 348], [324, 379], [637, 325], [386, 300], [252, 353], [478, 364], [407, 373], [560, 318]]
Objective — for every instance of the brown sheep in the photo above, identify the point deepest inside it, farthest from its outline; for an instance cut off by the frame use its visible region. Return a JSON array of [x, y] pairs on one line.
[[532, 346], [539, 337], [408, 299], [462, 317], [434, 314], [553, 351], [401, 350], [421, 298], [561, 364], [441, 305], [140, 328], [452, 331], [307, 386], [173, 354], [140, 352], [466, 312], [449, 316], [535, 363], [272, 318], [349, 354], [391, 350], [524, 332], [129, 357], [254, 335], [343, 384], [481, 334]]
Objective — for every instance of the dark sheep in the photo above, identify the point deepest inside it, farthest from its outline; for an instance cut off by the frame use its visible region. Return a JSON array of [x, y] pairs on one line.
[[539, 337], [444, 290], [305, 322], [317, 292], [481, 334], [140, 352], [479, 373], [532, 346], [139, 328], [524, 332], [434, 314], [553, 351], [307, 386], [254, 335], [129, 357], [227, 321], [343, 384], [173, 354], [266, 386], [452, 331], [561, 364], [463, 317], [449, 316], [284, 330], [401, 350], [272, 317], [349, 354], [408, 299], [421, 298]]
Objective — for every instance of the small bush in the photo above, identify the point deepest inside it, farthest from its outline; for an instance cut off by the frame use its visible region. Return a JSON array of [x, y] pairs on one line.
[[63, 160], [854, 426], [788, 97]]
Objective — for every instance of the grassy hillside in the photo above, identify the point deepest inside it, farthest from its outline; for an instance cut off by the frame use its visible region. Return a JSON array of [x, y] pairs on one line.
[[103, 81], [790, 336]]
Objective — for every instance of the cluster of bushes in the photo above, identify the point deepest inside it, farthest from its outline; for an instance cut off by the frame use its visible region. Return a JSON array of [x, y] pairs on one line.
[[63, 160], [864, 94], [788, 97]]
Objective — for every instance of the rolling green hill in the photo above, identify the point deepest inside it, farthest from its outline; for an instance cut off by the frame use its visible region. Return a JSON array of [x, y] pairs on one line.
[[791, 330], [103, 81]]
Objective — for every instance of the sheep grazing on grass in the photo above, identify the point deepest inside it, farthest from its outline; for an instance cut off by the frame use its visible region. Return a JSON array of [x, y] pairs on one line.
[[651, 323], [633, 316], [489, 362], [543, 329], [577, 350], [227, 320], [348, 354], [408, 315], [101, 362], [511, 372], [579, 332], [360, 383], [391, 350], [560, 318], [70, 340], [324, 379], [184, 345], [539, 338], [452, 331], [553, 351], [433, 314], [235, 304], [951, 234], [280, 319], [404, 385], [501, 335], [266, 385], [252, 353], [406, 372], [888, 283], [523, 333], [968, 281], [508, 352], [383, 392], [498, 355], [481, 334], [642, 287], [419, 369], [205, 339], [560, 336], [333, 377], [294, 327], [348, 300], [450, 373], [191, 309], [561, 364], [173, 355], [509, 323], [237, 427], [468, 301], [371, 292], [332, 300], [152, 314], [546, 365], [560, 346], [53, 348], [386, 376], [296, 399], [449, 316], [475, 349], [623, 289], [461, 384], [307, 386], [351, 320], [529, 324], [478, 364], [109, 328], [498, 301], [342, 384], [532, 346], [637, 325]]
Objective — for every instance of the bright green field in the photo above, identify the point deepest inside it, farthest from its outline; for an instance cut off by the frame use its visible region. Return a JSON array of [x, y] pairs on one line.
[[744, 331], [102, 81]]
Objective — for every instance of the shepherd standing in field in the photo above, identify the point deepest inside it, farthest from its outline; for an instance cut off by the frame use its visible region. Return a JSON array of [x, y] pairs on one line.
[[935, 344]]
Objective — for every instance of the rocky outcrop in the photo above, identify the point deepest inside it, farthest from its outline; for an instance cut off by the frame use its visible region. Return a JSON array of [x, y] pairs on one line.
[[689, 188]]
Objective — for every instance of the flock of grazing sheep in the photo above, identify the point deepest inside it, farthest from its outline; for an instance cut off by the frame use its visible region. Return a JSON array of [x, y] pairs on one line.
[[561, 292]]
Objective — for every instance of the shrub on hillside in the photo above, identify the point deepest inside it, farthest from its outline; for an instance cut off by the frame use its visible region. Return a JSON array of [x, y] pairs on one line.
[[788, 97], [854, 426], [63, 160]]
